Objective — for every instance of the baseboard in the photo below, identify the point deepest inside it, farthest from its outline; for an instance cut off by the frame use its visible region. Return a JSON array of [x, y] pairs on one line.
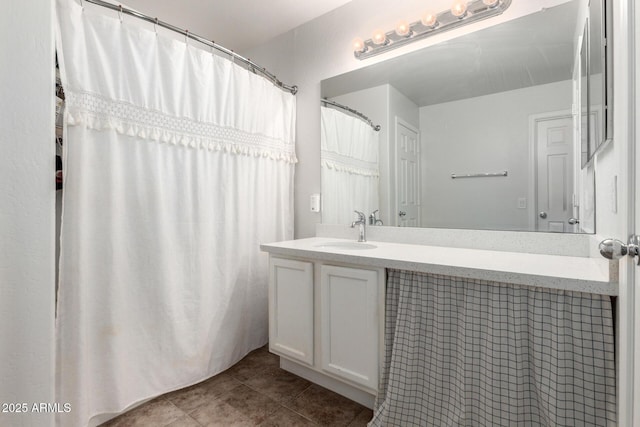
[[357, 395]]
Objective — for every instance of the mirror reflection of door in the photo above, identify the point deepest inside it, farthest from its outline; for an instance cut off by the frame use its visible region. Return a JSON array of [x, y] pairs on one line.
[[554, 148], [407, 174]]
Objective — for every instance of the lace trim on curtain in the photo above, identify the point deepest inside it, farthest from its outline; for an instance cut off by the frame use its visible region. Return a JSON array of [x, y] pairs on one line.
[[340, 163], [99, 113]]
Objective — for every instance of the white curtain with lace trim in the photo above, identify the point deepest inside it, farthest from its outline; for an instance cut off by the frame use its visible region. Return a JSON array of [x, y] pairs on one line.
[[177, 165], [349, 166]]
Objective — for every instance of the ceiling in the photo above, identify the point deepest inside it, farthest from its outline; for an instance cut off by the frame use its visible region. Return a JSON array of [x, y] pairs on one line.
[[236, 24], [533, 50]]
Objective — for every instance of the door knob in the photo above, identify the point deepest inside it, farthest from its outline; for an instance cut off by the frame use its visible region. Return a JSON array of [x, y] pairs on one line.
[[574, 221], [402, 213], [543, 215], [615, 249]]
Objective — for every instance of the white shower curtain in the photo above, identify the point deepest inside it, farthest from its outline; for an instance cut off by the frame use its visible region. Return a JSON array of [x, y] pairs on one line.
[[349, 166], [177, 164]]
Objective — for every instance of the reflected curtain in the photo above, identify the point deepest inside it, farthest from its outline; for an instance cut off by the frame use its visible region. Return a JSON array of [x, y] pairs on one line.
[[349, 167], [177, 164]]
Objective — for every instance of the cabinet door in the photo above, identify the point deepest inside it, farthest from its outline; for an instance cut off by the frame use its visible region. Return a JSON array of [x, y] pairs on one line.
[[350, 324], [291, 309]]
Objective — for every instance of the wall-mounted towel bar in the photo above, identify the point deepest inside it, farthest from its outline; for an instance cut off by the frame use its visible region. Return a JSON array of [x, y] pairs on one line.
[[478, 175]]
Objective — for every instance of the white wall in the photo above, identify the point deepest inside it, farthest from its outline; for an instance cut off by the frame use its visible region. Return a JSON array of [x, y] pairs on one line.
[[27, 203], [401, 106], [322, 49], [478, 135]]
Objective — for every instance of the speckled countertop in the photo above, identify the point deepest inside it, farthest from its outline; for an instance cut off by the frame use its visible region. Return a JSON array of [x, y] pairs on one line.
[[572, 273]]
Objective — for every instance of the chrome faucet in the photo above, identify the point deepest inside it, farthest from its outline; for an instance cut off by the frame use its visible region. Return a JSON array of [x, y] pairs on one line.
[[362, 222], [374, 220]]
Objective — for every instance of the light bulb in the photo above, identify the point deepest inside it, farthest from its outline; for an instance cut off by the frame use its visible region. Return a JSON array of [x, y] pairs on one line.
[[459, 9], [429, 19], [491, 3], [379, 37], [403, 28], [358, 45]]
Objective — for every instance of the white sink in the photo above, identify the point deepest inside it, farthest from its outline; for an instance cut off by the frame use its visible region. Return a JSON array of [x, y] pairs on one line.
[[346, 245]]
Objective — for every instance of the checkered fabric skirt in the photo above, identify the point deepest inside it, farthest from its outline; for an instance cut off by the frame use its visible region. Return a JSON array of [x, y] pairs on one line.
[[462, 352]]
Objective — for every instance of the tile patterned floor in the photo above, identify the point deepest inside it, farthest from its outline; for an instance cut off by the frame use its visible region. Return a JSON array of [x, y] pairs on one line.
[[253, 392]]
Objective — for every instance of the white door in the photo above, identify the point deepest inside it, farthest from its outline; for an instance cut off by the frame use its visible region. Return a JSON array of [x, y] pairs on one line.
[[626, 132], [350, 324], [291, 309], [407, 175], [628, 305], [554, 173]]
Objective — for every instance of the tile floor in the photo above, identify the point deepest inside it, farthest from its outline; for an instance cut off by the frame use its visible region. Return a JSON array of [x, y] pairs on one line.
[[253, 392]]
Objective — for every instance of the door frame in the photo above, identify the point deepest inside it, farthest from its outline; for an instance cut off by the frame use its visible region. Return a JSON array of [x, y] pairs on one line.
[[532, 205], [626, 19], [630, 27], [399, 121], [634, 194]]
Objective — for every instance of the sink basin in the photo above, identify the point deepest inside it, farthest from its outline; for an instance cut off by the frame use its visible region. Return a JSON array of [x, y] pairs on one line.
[[346, 245]]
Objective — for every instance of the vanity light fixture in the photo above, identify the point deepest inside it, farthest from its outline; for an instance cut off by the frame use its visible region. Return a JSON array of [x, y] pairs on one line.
[[358, 45], [403, 29], [459, 9], [430, 19], [379, 38], [462, 12]]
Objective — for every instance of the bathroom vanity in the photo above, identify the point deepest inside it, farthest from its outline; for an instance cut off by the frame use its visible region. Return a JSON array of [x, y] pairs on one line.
[[327, 294], [521, 162], [326, 320]]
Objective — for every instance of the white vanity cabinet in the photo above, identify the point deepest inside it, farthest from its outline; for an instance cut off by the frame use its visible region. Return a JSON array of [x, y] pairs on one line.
[[329, 320], [291, 309], [350, 333]]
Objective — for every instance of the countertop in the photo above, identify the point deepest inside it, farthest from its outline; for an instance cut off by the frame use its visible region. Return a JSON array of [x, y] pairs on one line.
[[571, 273]]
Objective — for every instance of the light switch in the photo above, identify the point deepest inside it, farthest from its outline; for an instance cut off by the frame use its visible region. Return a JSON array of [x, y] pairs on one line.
[[522, 203], [315, 202]]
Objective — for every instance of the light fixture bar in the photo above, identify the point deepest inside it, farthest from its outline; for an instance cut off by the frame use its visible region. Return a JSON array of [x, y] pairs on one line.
[[476, 10]]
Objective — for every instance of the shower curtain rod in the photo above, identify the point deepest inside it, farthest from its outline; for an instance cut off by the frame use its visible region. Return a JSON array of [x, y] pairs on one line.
[[352, 111], [252, 66]]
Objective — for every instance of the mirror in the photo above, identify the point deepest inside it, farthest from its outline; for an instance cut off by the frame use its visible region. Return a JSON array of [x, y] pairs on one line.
[[587, 136], [476, 132], [596, 93]]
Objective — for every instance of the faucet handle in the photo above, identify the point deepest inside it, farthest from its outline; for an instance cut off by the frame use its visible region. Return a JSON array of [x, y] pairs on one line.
[[361, 216], [373, 219]]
